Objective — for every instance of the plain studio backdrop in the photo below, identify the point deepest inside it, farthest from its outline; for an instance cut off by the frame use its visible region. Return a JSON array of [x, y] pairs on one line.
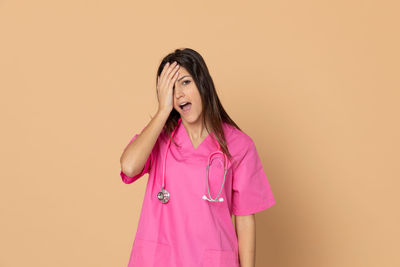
[[314, 83]]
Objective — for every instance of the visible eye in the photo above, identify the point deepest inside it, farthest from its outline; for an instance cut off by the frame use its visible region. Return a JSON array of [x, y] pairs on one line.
[[184, 82]]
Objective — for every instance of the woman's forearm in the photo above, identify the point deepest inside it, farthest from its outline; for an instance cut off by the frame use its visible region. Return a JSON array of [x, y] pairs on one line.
[[246, 233], [136, 153]]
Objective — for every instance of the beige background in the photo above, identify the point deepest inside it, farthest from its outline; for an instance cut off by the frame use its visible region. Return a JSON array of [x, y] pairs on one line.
[[314, 83]]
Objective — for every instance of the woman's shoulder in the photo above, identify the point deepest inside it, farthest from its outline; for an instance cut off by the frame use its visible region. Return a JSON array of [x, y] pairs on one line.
[[236, 137], [239, 143]]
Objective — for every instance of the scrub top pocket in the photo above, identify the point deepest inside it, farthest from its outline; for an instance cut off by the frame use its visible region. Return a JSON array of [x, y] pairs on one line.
[[220, 258], [147, 253]]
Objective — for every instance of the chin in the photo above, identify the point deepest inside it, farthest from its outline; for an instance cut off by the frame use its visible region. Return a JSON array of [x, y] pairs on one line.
[[191, 119]]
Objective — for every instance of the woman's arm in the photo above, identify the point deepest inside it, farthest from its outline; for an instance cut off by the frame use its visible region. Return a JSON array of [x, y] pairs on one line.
[[134, 157], [136, 153], [246, 232]]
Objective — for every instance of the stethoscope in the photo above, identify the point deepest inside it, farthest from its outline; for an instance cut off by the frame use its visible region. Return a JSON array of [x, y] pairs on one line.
[[163, 195]]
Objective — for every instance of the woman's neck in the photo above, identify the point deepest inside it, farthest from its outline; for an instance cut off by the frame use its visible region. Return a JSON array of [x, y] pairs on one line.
[[197, 130]]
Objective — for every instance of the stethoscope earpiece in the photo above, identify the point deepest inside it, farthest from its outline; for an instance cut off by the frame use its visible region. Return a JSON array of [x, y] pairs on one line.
[[218, 200]]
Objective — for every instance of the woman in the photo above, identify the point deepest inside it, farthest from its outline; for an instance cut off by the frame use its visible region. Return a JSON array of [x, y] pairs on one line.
[[186, 218]]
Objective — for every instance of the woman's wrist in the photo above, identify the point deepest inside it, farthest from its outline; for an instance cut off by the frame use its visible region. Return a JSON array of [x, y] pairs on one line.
[[163, 113]]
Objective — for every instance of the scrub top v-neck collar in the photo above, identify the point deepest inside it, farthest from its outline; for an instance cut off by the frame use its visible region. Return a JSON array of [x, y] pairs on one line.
[[188, 141]]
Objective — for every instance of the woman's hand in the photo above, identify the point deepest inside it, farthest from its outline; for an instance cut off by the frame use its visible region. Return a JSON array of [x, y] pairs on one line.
[[165, 84]]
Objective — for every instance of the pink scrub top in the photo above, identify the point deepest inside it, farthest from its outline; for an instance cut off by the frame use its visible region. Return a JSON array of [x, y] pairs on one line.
[[188, 230]]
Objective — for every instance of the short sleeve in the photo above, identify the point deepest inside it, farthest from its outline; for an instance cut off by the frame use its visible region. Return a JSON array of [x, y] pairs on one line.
[[127, 179], [251, 189]]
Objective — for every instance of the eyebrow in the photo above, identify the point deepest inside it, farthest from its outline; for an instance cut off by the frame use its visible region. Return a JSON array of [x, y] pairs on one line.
[[183, 77]]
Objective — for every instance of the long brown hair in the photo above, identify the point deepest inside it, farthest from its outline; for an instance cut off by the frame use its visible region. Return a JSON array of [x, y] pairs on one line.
[[212, 110]]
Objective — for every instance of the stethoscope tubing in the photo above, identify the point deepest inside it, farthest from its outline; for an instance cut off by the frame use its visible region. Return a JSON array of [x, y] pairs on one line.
[[163, 191]]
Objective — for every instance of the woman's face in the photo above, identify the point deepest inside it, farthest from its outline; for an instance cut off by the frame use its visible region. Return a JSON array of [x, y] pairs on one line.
[[185, 90]]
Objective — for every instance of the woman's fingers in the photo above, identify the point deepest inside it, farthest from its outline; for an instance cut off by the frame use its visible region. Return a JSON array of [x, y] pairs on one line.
[[162, 74], [165, 82], [175, 77], [170, 70], [164, 69], [165, 75], [172, 75]]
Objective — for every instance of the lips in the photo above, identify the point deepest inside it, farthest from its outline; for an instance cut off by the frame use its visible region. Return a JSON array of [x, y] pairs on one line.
[[183, 102]]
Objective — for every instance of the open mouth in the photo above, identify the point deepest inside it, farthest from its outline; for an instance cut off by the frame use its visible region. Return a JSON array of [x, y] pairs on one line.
[[185, 106]]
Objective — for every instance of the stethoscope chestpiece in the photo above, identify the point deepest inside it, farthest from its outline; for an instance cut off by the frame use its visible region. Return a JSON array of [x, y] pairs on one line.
[[163, 196]]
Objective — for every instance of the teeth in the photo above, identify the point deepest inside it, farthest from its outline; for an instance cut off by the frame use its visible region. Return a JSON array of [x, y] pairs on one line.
[[183, 104]]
